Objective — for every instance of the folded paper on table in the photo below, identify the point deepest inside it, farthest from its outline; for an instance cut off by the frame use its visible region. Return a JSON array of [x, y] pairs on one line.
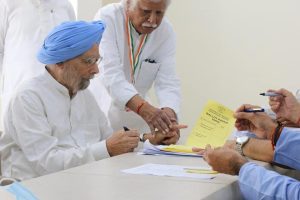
[[179, 150], [213, 127], [173, 170]]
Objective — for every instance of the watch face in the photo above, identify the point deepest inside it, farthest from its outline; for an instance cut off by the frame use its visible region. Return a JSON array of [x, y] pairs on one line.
[[242, 139]]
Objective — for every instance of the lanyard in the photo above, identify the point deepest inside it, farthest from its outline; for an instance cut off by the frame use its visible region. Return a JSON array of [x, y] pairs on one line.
[[134, 58]]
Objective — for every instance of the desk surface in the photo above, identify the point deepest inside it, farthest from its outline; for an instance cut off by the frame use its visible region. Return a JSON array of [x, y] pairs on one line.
[[104, 180]]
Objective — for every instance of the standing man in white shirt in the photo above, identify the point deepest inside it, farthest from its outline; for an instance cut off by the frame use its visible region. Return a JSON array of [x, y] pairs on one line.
[[138, 51], [23, 27]]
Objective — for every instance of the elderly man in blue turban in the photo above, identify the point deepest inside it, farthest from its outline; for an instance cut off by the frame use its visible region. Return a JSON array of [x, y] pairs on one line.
[[53, 123]]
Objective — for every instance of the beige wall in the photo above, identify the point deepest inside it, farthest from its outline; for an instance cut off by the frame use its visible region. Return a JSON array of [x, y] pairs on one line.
[[232, 50]]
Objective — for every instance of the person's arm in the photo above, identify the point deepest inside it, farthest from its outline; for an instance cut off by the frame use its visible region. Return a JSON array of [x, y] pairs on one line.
[[33, 134], [167, 83], [287, 148], [259, 149], [258, 183], [112, 66]]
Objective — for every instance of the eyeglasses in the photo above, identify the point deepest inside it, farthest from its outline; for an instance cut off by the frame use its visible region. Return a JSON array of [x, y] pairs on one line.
[[91, 61]]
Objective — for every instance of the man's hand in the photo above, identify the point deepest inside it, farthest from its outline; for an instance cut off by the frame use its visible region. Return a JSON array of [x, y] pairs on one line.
[[168, 138], [286, 107], [157, 119], [229, 144], [224, 160], [259, 123], [122, 142]]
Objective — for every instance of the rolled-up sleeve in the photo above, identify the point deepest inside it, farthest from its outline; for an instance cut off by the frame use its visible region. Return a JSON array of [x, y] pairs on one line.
[[258, 183]]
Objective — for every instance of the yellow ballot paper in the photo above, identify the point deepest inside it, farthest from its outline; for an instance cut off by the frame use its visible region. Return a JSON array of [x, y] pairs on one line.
[[178, 148], [213, 127]]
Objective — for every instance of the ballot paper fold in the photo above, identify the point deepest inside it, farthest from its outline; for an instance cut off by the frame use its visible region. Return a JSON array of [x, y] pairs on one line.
[[179, 150]]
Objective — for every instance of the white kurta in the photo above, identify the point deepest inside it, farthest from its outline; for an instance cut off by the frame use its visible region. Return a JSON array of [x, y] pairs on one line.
[[23, 27], [45, 131], [115, 68]]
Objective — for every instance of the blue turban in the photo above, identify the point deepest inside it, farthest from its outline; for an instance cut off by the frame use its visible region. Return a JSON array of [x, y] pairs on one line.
[[70, 39]]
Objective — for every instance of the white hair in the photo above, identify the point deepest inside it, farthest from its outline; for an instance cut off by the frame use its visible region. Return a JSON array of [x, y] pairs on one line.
[[133, 3]]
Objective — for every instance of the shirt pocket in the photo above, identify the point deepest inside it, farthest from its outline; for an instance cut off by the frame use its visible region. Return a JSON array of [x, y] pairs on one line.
[[146, 76]]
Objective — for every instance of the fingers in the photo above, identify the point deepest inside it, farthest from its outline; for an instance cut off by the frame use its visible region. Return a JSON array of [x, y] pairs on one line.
[[207, 151], [179, 126], [170, 140], [132, 133], [243, 115], [198, 150], [160, 125], [282, 91]]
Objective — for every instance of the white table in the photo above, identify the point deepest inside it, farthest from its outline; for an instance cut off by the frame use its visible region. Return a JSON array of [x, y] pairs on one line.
[[104, 180]]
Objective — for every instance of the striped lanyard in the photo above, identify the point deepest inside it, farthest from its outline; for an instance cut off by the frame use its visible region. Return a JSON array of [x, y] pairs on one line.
[[134, 57]]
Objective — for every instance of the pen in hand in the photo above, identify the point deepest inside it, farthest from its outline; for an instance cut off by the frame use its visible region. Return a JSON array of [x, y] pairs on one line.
[[270, 94], [127, 129], [254, 110]]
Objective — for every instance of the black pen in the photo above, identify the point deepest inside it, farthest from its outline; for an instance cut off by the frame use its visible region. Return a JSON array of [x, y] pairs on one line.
[[254, 110], [127, 129]]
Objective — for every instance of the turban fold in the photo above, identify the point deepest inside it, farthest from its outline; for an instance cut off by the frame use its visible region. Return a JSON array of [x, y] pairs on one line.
[[70, 39]]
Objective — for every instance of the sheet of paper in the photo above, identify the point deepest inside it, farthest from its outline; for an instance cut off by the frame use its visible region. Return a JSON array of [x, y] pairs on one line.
[[173, 170], [213, 127], [151, 149]]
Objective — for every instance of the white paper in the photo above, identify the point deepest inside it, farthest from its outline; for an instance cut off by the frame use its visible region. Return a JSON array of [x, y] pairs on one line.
[[169, 170]]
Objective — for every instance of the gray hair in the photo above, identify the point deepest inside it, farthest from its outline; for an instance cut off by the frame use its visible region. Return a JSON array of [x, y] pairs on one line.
[[133, 3]]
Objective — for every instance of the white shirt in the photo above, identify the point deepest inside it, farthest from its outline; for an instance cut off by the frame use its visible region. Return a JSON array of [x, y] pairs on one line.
[[115, 67], [45, 131], [23, 27]]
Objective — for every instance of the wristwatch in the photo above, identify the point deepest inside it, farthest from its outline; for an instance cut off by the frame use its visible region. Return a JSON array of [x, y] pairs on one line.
[[239, 143]]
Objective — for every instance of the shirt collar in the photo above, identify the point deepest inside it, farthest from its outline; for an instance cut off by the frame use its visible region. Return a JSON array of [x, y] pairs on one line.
[[55, 84]]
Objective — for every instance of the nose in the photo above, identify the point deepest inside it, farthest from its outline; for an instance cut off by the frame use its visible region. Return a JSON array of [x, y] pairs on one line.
[[152, 18], [95, 69]]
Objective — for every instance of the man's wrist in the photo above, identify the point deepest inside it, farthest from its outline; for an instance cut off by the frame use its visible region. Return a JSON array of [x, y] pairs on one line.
[[271, 129], [238, 165]]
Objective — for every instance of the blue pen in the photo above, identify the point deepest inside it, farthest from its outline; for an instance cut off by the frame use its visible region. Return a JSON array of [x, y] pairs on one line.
[[270, 94], [254, 110]]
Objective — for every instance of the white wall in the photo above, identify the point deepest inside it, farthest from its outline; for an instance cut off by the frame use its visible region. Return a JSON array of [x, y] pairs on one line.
[[232, 50]]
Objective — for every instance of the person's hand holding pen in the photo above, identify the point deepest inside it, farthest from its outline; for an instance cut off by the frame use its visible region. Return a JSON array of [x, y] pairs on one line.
[[257, 122], [285, 106], [122, 142]]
